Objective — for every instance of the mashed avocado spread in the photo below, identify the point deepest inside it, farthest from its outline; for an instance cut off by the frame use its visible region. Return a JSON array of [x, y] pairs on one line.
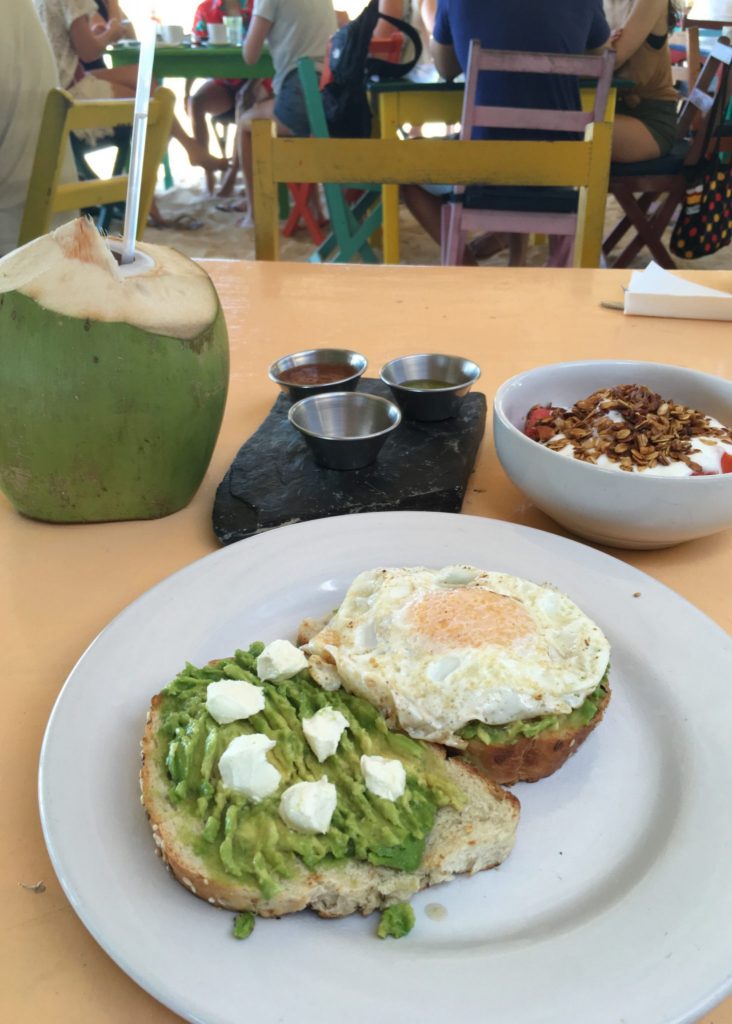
[[249, 841], [530, 727]]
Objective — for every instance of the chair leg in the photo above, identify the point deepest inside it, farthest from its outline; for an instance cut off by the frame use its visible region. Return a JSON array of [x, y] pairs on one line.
[[452, 216], [648, 229], [301, 211], [624, 225]]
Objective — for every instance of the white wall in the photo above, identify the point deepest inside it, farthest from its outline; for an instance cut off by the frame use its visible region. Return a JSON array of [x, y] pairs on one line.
[[180, 12]]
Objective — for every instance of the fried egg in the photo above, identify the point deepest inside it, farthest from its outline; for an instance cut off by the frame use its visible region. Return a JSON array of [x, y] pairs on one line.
[[434, 649]]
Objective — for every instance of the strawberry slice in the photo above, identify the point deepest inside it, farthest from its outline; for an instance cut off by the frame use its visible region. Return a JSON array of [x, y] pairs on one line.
[[725, 467], [535, 414]]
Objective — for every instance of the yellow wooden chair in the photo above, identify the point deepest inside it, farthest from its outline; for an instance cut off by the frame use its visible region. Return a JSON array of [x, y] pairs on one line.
[[582, 164], [63, 115]]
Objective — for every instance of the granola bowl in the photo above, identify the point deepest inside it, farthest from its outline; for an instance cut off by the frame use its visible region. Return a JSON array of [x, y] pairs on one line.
[[624, 509]]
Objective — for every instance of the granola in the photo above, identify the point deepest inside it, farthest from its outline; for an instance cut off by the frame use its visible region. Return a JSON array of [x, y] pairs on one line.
[[632, 427]]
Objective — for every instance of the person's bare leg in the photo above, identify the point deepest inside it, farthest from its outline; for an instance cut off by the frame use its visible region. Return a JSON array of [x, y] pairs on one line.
[[198, 154], [263, 109], [632, 141], [212, 98], [123, 80], [229, 179], [426, 209]]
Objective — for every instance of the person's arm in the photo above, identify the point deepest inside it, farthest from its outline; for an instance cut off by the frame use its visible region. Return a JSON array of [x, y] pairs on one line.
[[89, 44], [428, 13], [442, 46], [394, 8], [445, 59], [644, 16], [259, 29], [115, 11]]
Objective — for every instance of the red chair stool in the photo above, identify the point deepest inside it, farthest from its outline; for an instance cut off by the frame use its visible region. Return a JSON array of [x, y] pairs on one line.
[[302, 212]]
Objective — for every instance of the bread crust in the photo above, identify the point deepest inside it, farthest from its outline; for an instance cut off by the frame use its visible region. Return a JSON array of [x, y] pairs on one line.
[[478, 837], [529, 759]]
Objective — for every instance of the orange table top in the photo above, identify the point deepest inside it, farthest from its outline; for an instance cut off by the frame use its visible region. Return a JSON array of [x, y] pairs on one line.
[[59, 585]]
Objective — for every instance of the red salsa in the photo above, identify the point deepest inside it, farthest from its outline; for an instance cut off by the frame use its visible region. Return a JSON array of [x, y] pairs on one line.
[[316, 373]]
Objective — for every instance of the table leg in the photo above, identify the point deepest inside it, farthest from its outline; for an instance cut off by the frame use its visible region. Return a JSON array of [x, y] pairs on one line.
[[388, 124]]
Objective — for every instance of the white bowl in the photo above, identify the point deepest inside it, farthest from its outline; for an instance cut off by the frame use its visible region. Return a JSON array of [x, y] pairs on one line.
[[625, 510]]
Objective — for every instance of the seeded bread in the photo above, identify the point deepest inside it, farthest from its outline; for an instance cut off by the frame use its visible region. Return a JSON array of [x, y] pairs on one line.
[[530, 759], [479, 836]]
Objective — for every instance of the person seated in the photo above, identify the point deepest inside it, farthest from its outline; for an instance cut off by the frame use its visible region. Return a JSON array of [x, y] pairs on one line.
[[419, 13], [292, 29], [27, 75], [645, 113], [75, 36], [106, 10], [216, 96], [575, 26]]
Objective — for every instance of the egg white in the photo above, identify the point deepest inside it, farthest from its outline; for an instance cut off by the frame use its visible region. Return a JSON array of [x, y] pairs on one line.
[[433, 655]]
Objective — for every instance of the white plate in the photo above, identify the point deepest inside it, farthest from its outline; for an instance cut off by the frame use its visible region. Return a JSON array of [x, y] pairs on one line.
[[616, 904]]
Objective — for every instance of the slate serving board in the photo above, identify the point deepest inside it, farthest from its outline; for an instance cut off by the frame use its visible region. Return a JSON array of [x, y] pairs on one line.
[[274, 479]]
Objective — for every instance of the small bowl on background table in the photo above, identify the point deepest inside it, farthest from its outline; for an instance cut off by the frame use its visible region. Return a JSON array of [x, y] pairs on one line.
[[317, 370], [620, 509], [430, 386], [345, 429]]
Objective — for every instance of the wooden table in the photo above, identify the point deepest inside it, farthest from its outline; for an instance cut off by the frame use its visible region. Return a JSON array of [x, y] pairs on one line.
[[196, 61], [703, 14], [59, 585], [404, 102]]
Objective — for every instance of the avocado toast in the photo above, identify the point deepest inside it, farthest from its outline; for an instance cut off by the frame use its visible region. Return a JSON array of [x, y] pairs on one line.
[[240, 853]]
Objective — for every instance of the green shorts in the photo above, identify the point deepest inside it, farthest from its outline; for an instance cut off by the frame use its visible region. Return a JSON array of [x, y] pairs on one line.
[[659, 117]]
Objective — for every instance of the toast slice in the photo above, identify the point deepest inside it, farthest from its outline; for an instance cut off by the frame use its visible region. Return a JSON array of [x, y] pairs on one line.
[[468, 835]]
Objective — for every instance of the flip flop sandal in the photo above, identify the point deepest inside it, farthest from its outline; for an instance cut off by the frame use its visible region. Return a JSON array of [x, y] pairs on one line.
[[183, 222], [186, 222], [239, 205]]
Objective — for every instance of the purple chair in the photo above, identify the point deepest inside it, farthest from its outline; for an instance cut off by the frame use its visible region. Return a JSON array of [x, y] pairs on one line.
[[505, 207]]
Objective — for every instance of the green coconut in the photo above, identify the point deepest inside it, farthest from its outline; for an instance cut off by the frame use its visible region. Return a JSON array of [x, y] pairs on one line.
[[113, 378]]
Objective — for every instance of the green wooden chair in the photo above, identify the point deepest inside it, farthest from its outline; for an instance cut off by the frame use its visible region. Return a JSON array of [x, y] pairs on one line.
[[351, 225]]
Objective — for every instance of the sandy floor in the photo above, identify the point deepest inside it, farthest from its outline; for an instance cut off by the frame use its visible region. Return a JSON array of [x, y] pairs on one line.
[[219, 236]]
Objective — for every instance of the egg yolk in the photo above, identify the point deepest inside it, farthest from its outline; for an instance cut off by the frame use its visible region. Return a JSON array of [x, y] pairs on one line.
[[470, 618]]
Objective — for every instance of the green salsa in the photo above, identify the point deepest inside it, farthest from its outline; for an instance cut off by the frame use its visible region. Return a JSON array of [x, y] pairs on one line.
[[427, 384], [249, 841]]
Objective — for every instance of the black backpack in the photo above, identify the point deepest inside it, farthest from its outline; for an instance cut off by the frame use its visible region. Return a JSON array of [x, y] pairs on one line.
[[345, 102]]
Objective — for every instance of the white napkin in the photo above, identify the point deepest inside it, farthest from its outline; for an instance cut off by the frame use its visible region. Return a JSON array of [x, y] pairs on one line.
[[656, 292]]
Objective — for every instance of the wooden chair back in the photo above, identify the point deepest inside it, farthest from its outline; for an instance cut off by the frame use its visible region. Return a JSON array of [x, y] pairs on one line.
[[581, 164], [528, 118], [702, 111], [63, 115]]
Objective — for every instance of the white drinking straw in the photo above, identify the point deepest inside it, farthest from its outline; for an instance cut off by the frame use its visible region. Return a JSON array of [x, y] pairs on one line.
[[139, 130]]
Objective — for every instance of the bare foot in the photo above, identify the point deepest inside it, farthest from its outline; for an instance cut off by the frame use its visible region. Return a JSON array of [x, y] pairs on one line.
[[199, 156], [233, 206]]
